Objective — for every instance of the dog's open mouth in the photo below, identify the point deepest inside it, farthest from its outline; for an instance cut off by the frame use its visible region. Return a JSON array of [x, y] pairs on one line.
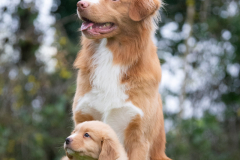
[[97, 28]]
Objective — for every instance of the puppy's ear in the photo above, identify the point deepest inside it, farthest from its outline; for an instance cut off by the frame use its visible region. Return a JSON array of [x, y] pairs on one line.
[[108, 151], [140, 9]]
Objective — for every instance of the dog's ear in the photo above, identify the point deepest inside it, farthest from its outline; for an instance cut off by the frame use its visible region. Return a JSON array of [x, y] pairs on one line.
[[140, 9], [108, 151]]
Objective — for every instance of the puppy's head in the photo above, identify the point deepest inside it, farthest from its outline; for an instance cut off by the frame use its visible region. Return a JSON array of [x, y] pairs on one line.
[[92, 140], [108, 18]]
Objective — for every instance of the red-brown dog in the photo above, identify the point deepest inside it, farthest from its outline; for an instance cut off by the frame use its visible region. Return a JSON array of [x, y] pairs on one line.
[[119, 74]]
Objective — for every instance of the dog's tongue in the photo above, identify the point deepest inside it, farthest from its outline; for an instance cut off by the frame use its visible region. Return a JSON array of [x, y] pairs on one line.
[[86, 25], [96, 28]]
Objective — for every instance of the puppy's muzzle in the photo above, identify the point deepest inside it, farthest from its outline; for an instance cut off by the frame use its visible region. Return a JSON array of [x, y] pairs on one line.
[[68, 141]]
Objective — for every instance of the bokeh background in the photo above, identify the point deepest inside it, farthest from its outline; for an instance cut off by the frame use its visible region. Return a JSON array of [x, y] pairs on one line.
[[199, 49]]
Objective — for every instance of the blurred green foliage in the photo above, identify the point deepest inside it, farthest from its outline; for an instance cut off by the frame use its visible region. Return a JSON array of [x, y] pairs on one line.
[[35, 106]]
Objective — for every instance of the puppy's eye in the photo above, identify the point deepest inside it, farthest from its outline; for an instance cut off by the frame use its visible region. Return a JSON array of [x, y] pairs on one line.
[[86, 135], [115, 0]]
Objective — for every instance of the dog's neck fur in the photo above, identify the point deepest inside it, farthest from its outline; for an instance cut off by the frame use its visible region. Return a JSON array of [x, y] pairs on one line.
[[128, 50]]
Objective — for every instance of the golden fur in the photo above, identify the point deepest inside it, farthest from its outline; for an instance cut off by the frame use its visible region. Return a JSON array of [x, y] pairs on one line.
[[132, 46], [102, 144]]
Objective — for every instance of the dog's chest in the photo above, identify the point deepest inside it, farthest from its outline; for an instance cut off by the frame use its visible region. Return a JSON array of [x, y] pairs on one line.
[[107, 91], [107, 100]]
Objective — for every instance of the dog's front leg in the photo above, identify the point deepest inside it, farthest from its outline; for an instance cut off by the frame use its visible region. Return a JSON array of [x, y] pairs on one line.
[[138, 151], [80, 117], [82, 111], [137, 148], [79, 105], [136, 144], [120, 118]]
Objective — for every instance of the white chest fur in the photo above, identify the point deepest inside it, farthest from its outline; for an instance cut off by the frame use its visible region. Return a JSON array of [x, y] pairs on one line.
[[107, 99]]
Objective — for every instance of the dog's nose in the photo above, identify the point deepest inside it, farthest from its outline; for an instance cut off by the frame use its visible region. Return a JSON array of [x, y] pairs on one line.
[[68, 140], [82, 5]]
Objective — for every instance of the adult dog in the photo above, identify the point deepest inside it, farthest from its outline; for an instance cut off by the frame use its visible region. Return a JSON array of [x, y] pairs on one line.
[[119, 74]]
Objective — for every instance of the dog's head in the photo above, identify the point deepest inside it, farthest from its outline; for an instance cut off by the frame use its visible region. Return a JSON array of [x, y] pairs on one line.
[[91, 140], [108, 18]]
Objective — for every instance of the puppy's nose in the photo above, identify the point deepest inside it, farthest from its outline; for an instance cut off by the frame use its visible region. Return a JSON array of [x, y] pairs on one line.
[[68, 140], [82, 5]]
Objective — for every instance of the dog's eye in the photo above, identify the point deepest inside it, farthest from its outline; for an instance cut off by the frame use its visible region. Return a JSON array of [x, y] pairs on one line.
[[86, 135], [115, 0]]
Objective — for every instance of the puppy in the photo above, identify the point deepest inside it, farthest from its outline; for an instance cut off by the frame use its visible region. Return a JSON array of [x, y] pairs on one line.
[[94, 140], [119, 74]]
